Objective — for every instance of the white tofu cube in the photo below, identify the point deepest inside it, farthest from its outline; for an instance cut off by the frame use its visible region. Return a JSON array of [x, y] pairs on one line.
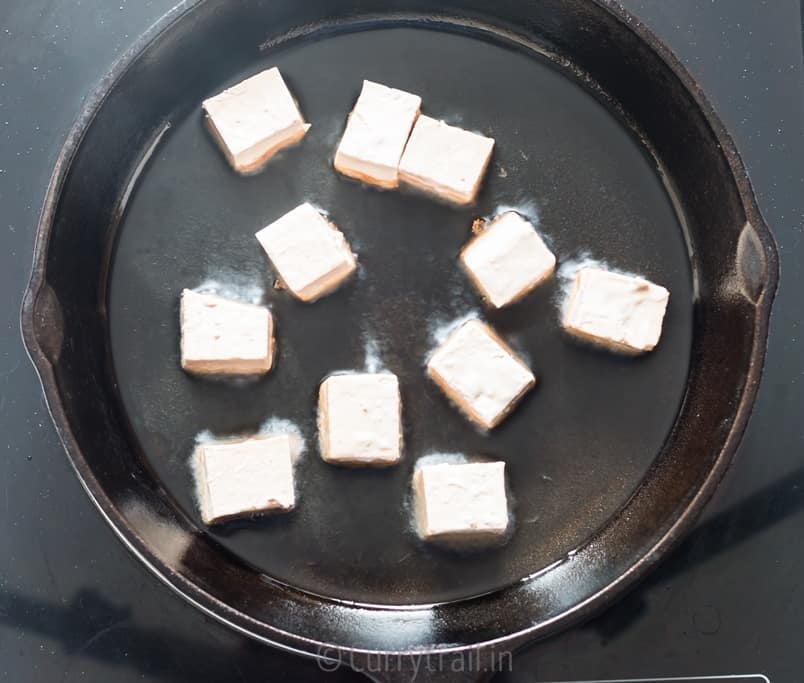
[[376, 133], [507, 259], [461, 503], [254, 119], [620, 312], [311, 256], [359, 419], [224, 337], [445, 161], [480, 374], [244, 477]]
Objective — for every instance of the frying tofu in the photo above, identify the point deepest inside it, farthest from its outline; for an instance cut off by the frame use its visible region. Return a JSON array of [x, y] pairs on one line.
[[445, 161], [507, 259], [359, 419], [461, 503], [620, 312], [224, 337], [310, 255], [376, 133], [253, 120], [480, 374], [244, 477]]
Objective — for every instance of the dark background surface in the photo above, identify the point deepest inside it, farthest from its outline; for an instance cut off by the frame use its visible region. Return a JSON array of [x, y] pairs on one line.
[[75, 605]]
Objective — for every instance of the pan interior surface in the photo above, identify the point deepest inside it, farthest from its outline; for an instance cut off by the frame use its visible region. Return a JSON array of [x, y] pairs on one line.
[[576, 448]]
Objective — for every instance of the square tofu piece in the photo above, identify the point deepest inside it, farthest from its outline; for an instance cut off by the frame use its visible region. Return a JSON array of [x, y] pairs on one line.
[[359, 419], [244, 477], [376, 133], [461, 503], [621, 312], [444, 160], [224, 337], [480, 374], [311, 256], [255, 119], [507, 259]]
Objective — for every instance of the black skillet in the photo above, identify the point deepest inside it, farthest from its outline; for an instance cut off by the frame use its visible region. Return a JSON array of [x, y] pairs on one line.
[[602, 137]]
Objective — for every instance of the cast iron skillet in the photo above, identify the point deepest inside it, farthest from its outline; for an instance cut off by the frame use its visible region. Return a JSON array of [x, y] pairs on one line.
[[602, 137]]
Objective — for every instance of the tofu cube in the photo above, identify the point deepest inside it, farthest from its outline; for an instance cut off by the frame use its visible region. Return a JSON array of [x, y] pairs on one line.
[[507, 260], [480, 374], [254, 119], [461, 503], [311, 256], [445, 160], [360, 419], [224, 337], [621, 312], [376, 133], [244, 477]]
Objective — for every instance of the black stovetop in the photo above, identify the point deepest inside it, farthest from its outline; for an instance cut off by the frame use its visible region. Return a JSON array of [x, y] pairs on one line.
[[75, 605]]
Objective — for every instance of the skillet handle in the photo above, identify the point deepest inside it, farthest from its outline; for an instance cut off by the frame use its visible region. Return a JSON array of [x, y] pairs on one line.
[[43, 322], [752, 263]]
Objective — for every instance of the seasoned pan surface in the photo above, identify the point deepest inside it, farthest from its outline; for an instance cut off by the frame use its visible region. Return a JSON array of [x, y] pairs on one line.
[[608, 459], [576, 448]]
